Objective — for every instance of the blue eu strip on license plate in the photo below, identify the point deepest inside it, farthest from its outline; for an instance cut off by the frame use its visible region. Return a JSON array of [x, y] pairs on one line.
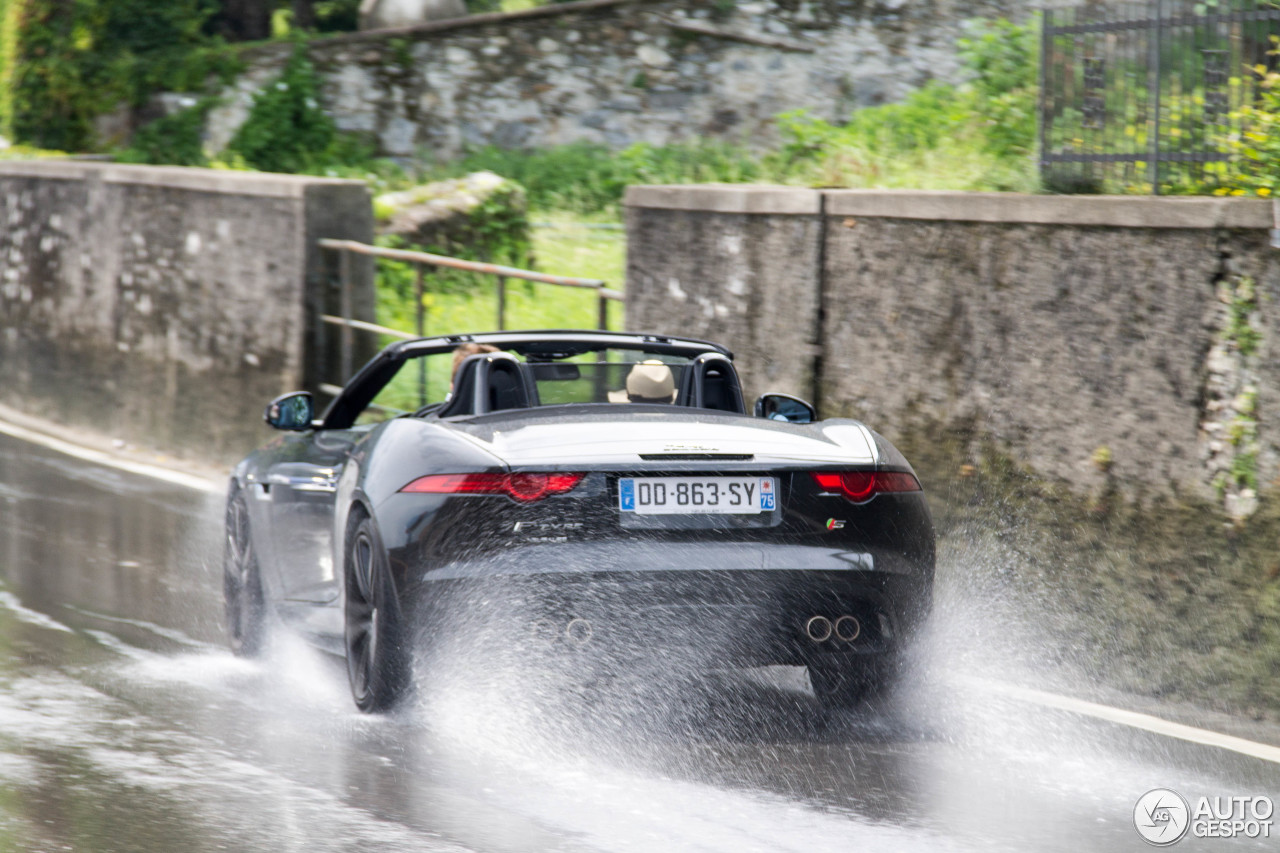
[[697, 495], [627, 495]]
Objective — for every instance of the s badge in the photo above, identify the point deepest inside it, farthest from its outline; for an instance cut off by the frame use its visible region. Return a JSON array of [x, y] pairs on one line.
[[835, 524]]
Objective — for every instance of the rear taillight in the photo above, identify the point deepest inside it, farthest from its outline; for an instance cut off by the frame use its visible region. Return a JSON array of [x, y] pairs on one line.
[[860, 486], [525, 488]]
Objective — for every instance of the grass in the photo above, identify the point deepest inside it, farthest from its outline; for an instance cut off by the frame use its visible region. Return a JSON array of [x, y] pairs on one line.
[[583, 246], [26, 152], [564, 246], [949, 166]]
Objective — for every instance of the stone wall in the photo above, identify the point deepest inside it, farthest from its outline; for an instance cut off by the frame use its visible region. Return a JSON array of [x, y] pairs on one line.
[[741, 266], [166, 305], [1099, 341], [1089, 389], [618, 72]]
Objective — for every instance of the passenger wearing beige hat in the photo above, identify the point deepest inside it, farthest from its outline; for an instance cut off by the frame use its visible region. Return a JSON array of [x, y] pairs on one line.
[[649, 381]]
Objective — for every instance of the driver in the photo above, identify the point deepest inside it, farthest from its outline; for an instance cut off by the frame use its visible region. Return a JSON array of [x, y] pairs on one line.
[[461, 353], [649, 381]]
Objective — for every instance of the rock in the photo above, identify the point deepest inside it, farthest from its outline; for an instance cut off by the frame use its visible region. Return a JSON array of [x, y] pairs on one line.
[[1242, 505], [654, 57], [114, 127], [380, 14], [482, 215], [172, 103]]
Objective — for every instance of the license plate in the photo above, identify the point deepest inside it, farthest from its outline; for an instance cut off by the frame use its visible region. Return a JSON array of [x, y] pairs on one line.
[[697, 495]]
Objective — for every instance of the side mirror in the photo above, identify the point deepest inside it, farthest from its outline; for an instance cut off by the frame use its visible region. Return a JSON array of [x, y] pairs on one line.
[[784, 407], [291, 411]]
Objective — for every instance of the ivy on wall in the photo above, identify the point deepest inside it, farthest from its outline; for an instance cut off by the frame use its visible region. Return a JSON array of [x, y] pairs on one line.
[[172, 140], [287, 130]]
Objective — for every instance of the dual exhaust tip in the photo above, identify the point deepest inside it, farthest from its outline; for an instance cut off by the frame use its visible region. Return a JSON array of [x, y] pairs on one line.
[[577, 632], [845, 628]]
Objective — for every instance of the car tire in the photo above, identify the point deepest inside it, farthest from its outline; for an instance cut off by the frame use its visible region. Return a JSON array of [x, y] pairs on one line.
[[377, 659], [246, 612]]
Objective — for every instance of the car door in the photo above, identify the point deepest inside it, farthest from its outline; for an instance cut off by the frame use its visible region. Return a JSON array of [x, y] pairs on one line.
[[298, 487]]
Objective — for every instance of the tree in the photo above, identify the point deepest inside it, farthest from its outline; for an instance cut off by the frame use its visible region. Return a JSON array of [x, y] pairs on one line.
[[244, 20], [304, 14]]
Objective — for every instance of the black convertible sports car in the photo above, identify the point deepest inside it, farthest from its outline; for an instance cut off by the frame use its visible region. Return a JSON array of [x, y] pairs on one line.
[[609, 493]]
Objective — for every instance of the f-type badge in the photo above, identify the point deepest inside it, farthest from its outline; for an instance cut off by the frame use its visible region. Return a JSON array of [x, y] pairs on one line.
[[545, 526]]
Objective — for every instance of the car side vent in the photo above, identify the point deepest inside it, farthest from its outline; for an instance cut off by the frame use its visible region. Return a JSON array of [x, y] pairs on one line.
[[691, 457]]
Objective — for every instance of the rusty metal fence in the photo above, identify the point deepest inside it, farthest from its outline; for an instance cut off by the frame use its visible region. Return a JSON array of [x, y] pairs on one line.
[[1140, 96], [348, 324]]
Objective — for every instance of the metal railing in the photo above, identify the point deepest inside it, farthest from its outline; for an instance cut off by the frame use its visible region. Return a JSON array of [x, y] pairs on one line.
[[420, 260], [1141, 95]]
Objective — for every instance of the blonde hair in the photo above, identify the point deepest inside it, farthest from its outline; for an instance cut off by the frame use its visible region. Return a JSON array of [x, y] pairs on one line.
[[468, 349]]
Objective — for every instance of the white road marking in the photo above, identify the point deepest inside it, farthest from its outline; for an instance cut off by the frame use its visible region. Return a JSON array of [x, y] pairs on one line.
[[1133, 719], [32, 617], [99, 457]]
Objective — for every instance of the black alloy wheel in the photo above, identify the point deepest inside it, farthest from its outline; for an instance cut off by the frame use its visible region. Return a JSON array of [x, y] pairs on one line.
[[242, 583], [377, 661]]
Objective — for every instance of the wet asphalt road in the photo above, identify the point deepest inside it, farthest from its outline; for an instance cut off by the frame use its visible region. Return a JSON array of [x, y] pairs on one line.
[[125, 725]]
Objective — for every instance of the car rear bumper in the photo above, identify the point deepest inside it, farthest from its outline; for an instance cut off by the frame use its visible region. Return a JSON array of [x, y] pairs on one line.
[[733, 604]]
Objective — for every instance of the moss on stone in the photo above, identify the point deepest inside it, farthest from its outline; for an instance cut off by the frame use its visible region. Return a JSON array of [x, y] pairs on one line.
[[481, 216]]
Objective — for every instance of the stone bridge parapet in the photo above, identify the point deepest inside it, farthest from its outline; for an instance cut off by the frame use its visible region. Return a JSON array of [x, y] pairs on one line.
[[165, 305]]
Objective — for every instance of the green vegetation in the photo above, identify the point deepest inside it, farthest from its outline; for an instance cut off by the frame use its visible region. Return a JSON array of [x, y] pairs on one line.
[[287, 131], [1241, 310], [528, 306], [456, 302], [972, 136], [978, 135], [495, 231], [1242, 431], [10, 15], [172, 140], [81, 60], [975, 136], [498, 230], [334, 16], [495, 226], [1004, 59], [73, 62], [1255, 149], [587, 178], [587, 247]]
